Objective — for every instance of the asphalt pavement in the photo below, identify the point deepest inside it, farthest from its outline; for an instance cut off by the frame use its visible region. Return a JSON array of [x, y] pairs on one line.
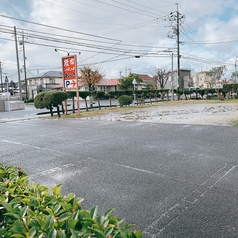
[[171, 180]]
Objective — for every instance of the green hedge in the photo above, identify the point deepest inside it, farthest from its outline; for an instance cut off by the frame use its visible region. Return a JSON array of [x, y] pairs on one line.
[[33, 210]]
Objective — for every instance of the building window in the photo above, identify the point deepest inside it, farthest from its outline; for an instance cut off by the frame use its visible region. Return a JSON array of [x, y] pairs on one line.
[[51, 80]]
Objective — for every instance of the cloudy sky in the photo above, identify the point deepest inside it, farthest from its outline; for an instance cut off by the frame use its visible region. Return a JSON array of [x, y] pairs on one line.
[[119, 36]]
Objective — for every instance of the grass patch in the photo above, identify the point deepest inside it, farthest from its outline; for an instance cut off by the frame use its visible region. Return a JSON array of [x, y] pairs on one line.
[[235, 123]]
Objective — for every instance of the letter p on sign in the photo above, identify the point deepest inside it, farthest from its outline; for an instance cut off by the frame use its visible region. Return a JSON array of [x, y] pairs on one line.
[[67, 83]]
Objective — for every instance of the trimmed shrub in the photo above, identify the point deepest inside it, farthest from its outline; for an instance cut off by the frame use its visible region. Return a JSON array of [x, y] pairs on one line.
[[100, 94], [34, 210], [125, 100], [50, 99], [39, 100], [112, 94], [120, 93]]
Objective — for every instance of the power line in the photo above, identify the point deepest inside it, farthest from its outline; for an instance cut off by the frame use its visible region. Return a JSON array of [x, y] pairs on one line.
[[57, 28]]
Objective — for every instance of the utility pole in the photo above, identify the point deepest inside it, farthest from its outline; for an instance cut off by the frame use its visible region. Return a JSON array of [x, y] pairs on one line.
[[235, 70], [22, 42], [176, 17], [1, 76], [172, 75], [178, 45], [18, 67]]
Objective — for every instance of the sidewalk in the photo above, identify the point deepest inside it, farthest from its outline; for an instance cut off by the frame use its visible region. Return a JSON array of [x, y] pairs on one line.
[[30, 112]]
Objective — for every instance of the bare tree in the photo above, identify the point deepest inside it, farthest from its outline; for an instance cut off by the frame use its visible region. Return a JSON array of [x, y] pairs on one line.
[[162, 77], [216, 73]]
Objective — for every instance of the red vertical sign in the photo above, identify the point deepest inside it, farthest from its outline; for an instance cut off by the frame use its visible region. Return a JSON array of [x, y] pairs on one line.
[[70, 73], [70, 77]]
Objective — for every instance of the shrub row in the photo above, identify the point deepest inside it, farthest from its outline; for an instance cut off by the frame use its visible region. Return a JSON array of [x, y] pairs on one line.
[[145, 93]]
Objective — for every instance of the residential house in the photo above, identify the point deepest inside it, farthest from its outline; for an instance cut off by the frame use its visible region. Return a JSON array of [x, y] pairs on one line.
[[107, 85], [51, 80], [147, 81]]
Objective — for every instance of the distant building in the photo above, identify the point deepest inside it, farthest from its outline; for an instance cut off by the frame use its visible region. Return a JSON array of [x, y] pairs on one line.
[[147, 80], [202, 80], [107, 85], [183, 82], [51, 80]]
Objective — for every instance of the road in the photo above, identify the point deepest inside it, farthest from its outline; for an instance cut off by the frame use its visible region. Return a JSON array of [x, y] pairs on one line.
[[172, 180]]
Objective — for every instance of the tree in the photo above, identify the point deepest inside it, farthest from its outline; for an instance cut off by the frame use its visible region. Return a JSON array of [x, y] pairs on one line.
[[84, 95], [90, 76], [71, 95], [126, 82], [99, 94], [216, 73], [162, 76], [190, 82], [234, 76]]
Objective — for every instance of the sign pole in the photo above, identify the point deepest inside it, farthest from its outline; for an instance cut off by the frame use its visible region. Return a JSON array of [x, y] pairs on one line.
[[78, 103], [70, 77], [77, 91], [65, 105]]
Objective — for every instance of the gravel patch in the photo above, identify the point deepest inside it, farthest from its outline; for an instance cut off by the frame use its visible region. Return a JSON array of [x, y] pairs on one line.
[[179, 113]]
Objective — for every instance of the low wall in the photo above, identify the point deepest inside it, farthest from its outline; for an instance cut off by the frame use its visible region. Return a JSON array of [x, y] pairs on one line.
[[14, 105], [2, 106]]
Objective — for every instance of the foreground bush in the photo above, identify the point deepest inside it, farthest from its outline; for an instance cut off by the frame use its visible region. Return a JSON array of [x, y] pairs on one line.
[[125, 100], [33, 210]]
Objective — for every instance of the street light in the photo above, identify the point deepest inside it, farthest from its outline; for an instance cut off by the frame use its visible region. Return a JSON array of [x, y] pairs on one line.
[[68, 52]]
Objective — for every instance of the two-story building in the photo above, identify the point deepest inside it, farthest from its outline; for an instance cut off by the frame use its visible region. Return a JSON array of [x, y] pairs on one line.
[[51, 80], [202, 80]]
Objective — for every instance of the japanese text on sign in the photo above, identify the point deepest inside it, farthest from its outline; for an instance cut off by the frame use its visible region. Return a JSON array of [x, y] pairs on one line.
[[69, 68]]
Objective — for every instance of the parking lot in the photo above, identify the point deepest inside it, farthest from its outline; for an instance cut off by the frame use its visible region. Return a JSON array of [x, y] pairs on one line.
[[171, 179]]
